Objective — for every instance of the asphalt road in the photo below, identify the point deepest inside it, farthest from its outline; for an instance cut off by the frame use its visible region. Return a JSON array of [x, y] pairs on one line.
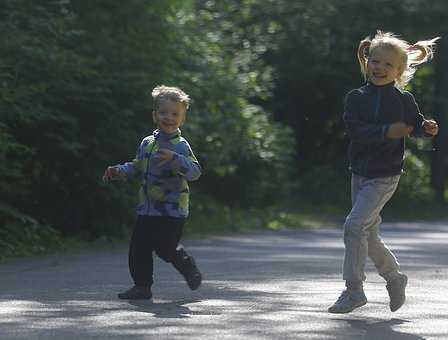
[[259, 285]]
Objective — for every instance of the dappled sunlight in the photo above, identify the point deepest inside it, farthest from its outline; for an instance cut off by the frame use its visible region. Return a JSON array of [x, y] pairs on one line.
[[274, 88], [276, 307], [257, 285]]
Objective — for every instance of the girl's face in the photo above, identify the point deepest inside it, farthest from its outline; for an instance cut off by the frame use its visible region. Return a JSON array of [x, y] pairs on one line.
[[169, 116], [383, 66]]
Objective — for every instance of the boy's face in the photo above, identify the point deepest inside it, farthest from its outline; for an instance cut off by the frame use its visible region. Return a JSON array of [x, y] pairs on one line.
[[169, 116], [383, 66]]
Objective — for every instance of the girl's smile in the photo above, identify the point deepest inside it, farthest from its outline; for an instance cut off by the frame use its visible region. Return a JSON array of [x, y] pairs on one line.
[[383, 66]]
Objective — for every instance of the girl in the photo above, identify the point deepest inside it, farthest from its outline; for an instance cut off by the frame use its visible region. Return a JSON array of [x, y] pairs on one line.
[[378, 116]]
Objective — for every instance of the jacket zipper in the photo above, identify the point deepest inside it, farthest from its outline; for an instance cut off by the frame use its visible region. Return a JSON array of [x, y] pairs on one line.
[[146, 175], [375, 116]]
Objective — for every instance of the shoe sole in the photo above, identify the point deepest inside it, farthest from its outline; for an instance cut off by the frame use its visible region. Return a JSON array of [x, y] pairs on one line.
[[135, 298], [123, 297], [344, 311]]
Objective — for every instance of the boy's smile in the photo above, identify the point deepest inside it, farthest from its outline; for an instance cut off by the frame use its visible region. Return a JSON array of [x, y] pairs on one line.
[[383, 66], [169, 116]]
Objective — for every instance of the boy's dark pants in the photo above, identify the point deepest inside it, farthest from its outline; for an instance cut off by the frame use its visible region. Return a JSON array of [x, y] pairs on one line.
[[155, 233]]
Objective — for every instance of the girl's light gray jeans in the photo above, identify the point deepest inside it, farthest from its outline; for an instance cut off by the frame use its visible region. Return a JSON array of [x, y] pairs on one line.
[[361, 228]]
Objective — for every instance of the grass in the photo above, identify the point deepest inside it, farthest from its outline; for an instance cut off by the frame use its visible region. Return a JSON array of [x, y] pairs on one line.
[[218, 218], [26, 238], [415, 210]]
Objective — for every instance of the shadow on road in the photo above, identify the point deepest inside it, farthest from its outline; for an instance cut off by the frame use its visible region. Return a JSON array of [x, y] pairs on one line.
[[171, 310], [265, 285], [375, 329]]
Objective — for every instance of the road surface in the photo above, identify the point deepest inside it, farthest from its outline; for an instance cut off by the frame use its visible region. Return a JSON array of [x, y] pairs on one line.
[[258, 285]]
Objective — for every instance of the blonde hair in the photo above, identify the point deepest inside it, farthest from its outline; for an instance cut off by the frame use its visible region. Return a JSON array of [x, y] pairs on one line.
[[410, 55], [175, 94]]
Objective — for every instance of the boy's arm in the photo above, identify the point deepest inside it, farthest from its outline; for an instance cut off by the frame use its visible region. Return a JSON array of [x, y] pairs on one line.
[[187, 166], [134, 168], [357, 129], [112, 174], [184, 162]]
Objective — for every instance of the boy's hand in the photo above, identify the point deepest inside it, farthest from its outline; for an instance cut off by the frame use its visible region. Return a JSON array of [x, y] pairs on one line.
[[164, 156], [112, 173], [430, 127], [399, 130]]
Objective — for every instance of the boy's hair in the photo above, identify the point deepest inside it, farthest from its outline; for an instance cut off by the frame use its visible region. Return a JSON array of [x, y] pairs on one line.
[[172, 93], [410, 55]]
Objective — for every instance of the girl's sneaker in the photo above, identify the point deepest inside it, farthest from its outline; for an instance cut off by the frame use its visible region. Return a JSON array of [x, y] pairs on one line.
[[397, 292], [348, 301]]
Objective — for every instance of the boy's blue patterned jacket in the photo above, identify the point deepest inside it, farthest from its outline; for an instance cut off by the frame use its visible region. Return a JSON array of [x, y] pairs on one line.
[[164, 189]]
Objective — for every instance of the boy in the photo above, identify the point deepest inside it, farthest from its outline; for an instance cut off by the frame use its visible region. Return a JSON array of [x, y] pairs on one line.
[[163, 165]]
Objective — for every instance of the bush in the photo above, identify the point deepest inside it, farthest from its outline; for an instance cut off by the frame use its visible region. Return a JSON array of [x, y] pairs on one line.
[[22, 235]]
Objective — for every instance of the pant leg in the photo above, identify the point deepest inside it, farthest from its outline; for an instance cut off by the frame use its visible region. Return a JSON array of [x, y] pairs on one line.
[[369, 197], [140, 252], [356, 183], [170, 230], [385, 261]]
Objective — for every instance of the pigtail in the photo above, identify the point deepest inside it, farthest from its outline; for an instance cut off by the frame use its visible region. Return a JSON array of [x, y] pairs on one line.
[[421, 52], [417, 54], [363, 51]]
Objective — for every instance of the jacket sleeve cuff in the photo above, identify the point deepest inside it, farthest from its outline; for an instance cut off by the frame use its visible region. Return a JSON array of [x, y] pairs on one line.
[[126, 169]]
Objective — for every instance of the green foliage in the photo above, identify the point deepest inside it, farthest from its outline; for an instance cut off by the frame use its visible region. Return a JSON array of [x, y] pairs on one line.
[[310, 50], [249, 157], [73, 92], [75, 99], [212, 216], [22, 235], [414, 183], [267, 79], [323, 185]]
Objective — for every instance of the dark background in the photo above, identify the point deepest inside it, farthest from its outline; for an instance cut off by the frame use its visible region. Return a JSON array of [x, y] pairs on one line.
[[267, 79]]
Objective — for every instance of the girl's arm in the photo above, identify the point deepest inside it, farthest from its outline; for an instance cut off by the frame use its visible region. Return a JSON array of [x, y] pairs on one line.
[[423, 127], [357, 129], [417, 119]]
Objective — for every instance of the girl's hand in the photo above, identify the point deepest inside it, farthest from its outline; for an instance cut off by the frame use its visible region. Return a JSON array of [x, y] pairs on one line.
[[430, 127], [399, 130], [112, 173], [164, 156]]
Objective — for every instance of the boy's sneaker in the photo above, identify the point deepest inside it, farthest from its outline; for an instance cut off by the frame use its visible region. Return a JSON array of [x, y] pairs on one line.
[[396, 289], [348, 301], [191, 273], [136, 293]]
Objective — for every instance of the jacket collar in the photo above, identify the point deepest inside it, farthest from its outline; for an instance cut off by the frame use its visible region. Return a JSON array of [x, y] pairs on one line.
[[159, 134], [375, 88]]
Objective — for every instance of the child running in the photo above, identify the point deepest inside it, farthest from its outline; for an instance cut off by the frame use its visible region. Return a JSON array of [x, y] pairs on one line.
[[163, 165], [378, 116]]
